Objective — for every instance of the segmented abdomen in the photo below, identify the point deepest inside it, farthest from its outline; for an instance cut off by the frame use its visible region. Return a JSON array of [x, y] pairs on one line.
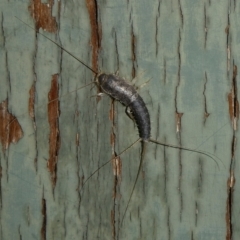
[[118, 89]]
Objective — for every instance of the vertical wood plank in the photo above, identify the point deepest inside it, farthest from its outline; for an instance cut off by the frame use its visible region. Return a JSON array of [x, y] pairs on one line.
[[189, 51]]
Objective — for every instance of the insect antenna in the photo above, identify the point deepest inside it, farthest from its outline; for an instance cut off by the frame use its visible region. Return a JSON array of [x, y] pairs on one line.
[[83, 63], [53, 100], [188, 149]]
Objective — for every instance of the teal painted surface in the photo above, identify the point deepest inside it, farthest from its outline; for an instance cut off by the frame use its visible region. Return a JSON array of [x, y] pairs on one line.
[[179, 195]]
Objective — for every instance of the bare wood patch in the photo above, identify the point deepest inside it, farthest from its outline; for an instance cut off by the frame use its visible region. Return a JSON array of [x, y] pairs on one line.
[[10, 129]]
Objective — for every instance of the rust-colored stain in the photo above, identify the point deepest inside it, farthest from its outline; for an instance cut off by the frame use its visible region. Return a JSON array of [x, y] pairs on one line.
[[112, 138], [42, 14], [95, 32], [10, 129], [31, 101], [233, 103], [178, 117], [54, 137]]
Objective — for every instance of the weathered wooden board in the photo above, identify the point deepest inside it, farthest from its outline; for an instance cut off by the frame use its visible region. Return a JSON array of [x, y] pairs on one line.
[[190, 51]]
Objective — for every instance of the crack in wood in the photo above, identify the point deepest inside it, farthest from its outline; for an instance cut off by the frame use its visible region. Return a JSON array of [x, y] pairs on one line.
[[54, 135]]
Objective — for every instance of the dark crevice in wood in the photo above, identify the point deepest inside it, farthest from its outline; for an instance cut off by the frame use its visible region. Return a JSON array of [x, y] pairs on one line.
[[3, 33], [206, 114], [96, 36], [205, 27], [200, 177], [134, 49], [181, 12], [117, 170], [116, 50], [80, 179], [178, 117], [32, 91], [44, 219], [140, 223], [234, 115], [196, 213], [227, 31], [165, 159], [64, 221], [31, 110], [157, 130], [54, 135], [8, 72], [92, 7], [229, 203], [156, 32], [19, 232], [168, 223], [178, 114], [235, 96], [233, 100], [165, 72]]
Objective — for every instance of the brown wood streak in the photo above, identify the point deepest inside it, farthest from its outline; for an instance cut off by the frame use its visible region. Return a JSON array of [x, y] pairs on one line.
[[95, 32], [31, 109], [10, 129], [233, 103], [42, 14], [31, 101], [54, 137]]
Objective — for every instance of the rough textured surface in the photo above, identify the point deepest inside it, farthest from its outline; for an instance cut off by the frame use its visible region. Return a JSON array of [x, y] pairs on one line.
[[190, 51]]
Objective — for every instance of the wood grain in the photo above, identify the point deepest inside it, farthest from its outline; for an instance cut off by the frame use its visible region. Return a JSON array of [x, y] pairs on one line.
[[190, 51]]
